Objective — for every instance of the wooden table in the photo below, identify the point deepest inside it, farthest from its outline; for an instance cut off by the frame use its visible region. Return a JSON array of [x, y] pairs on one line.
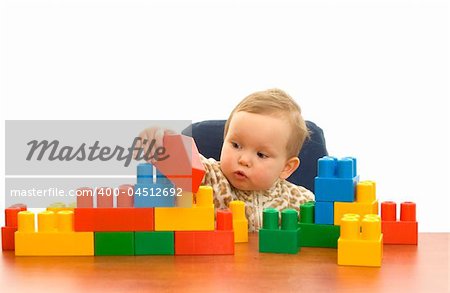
[[405, 268]]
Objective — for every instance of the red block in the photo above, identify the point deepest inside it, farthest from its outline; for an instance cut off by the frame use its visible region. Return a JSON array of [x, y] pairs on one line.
[[220, 241], [84, 219], [404, 231], [114, 219], [183, 166], [204, 242]]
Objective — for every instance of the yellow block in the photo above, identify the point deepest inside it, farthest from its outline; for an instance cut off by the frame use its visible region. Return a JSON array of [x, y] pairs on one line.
[[360, 249], [184, 219], [240, 222], [360, 208], [54, 238], [200, 217], [54, 243]]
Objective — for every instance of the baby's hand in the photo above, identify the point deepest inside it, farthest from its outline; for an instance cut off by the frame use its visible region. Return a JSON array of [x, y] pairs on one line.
[[151, 139]]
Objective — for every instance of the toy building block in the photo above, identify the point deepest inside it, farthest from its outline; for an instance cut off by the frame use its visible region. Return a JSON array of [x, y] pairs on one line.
[[183, 165], [85, 197], [154, 243], [399, 232], [199, 217], [125, 197], [315, 235], [336, 180], [324, 212], [363, 248], [114, 243], [147, 193], [366, 202], [11, 226], [105, 197], [219, 241], [274, 239], [55, 235], [114, 219], [240, 222]]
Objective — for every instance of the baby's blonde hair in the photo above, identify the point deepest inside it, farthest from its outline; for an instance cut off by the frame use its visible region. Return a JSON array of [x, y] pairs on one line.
[[277, 103]]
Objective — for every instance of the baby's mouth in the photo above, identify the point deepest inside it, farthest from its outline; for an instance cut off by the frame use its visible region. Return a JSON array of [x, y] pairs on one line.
[[240, 175]]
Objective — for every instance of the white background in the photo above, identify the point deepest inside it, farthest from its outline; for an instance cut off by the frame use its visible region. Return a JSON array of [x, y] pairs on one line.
[[373, 74]]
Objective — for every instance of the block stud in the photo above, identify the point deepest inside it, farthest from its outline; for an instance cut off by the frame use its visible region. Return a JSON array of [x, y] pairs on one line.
[[350, 226], [326, 167], [125, 197], [204, 196], [371, 227], [25, 221], [224, 220], [388, 211], [345, 168], [144, 173], [11, 217], [365, 191], [64, 221], [408, 211], [270, 219], [289, 219], [307, 212], [85, 197], [46, 221]]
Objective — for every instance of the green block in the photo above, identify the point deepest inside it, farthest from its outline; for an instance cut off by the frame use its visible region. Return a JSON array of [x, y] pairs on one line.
[[278, 241], [318, 235], [114, 243], [154, 243]]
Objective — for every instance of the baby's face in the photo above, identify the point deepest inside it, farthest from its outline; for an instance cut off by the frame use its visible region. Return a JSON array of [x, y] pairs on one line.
[[254, 150]]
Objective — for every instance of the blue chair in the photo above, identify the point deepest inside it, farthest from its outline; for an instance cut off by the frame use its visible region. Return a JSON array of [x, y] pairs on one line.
[[208, 136]]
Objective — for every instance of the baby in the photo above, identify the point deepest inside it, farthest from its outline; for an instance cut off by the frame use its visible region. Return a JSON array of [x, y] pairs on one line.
[[262, 139]]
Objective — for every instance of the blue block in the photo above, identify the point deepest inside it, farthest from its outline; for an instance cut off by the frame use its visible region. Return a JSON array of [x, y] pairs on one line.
[[154, 195], [324, 213], [335, 189]]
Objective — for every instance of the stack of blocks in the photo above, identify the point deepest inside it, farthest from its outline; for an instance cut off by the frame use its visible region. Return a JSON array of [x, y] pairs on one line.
[[361, 242], [336, 188], [148, 218]]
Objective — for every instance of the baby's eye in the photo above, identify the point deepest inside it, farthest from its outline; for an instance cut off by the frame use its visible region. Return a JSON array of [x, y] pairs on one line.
[[261, 155], [235, 145]]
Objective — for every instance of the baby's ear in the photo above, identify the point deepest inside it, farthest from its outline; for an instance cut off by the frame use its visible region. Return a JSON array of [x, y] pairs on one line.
[[291, 165]]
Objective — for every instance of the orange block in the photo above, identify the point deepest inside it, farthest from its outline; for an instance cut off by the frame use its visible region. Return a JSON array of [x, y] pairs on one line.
[[220, 241], [114, 219], [183, 166], [404, 231]]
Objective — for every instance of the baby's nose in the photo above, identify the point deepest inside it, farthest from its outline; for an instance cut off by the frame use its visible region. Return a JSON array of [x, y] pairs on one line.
[[244, 160]]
